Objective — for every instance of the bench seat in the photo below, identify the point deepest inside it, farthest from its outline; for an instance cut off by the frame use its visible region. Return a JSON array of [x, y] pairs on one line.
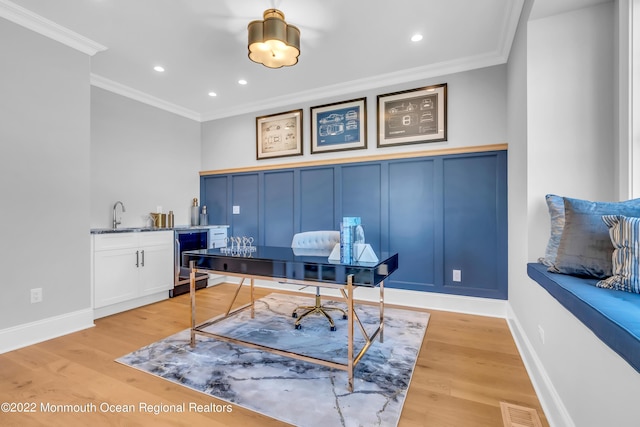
[[614, 316]]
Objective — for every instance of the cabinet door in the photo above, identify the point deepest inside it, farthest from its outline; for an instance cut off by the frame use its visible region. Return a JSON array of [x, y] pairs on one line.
[[156, 269], [115, 276]]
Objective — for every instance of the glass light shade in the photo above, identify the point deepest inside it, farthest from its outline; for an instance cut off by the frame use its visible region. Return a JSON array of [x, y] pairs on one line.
[[272, 42]]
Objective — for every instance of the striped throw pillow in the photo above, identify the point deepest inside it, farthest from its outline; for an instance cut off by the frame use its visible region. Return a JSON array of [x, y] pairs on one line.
[[625, 236]]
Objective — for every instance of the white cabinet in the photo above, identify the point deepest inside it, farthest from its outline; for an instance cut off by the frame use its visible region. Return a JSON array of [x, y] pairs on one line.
[[131, 269], [156, 271], [115, 277]]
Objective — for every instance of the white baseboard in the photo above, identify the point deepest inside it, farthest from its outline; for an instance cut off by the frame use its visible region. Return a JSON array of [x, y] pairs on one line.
[[215, 279], [41, 330], [416, 299], [554, 409], [130, 304]]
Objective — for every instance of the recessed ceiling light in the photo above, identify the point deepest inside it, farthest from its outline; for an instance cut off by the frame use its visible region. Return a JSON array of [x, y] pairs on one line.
[[242, 82], [416, 37], [159, 69], [213, 94]]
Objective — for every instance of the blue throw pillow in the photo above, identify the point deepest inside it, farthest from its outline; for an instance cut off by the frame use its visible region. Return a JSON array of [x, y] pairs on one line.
[[555, 204], [585, 246], [625, 237]]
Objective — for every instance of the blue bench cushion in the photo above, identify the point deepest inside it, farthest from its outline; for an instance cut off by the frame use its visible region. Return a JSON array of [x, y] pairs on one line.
[[614, 316]]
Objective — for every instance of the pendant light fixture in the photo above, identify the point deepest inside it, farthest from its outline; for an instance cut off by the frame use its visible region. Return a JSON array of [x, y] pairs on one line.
[[272, 42]]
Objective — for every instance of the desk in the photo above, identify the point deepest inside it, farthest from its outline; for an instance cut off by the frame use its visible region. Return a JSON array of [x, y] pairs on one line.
[[281, 264]]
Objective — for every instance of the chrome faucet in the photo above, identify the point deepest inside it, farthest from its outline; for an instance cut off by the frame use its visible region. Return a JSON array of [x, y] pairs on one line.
[[115, 221]]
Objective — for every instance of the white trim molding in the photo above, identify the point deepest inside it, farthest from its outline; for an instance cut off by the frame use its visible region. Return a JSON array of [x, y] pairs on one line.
[[554, 409], [34, 22], [626, 99], [45, 27], [129, 304], [499, 55], [135, 94], [632, 128], [41, 330], [361, 85]]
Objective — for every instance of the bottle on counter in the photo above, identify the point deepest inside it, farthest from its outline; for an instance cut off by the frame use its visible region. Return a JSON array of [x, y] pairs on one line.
[[170, 220], [204, 219], [195, 212]]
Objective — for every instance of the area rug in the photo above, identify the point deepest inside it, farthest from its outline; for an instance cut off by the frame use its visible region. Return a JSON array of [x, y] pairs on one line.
[[293, 391]]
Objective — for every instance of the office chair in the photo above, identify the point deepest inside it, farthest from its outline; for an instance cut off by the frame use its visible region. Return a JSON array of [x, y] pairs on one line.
[[319, 243]]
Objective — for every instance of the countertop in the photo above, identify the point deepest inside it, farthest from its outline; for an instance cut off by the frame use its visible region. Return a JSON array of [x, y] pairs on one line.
[[145, 229]]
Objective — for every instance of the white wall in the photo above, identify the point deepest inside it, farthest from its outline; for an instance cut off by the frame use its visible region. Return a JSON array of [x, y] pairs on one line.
[[142, 156], [572, 142], [67, 153], [44, 183], [566, 146], [476, 116]]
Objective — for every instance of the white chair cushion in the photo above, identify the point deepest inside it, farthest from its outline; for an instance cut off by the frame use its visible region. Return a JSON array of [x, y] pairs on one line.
[[323, 239]]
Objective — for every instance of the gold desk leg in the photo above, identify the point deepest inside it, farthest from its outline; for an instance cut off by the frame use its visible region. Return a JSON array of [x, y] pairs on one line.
[[350, 329], [382, 311], [253, 311], [192, 294]]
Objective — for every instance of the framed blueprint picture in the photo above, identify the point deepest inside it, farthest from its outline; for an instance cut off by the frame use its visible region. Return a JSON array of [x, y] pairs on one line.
[[413, 116], [339, 126], [279, 135]]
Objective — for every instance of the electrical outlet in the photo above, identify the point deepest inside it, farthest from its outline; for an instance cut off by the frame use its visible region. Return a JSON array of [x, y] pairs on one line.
[[457, 275], [541, 333], [236, 210], [36, 295]]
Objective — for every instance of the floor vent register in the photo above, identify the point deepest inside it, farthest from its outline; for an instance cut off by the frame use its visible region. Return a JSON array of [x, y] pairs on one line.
[[519, 416]]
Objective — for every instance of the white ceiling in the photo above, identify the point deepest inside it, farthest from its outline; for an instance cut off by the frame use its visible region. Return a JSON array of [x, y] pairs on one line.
[[346, 45]]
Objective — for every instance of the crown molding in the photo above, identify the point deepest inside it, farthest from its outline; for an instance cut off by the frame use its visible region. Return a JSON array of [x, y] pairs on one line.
[[24, 17], [509, 28], [389, 79], [135, 94], [34, 22], [400, 77], [499, 56]]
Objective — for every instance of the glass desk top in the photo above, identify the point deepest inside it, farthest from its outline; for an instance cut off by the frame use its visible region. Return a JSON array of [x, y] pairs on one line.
[[287, 263]]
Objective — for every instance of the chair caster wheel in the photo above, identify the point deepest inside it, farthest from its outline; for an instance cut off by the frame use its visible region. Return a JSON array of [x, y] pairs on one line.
[[294, 315], [332, 329], [344, 317], [298, 326]]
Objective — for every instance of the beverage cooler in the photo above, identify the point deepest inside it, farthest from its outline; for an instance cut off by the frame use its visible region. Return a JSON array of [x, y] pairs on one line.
[[190, 239]]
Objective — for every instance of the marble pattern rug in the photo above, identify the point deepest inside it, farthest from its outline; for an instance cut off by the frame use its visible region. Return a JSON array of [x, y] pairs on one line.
[[293, 391]]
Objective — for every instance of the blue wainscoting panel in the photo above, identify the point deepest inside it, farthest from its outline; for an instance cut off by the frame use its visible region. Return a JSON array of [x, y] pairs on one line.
[[317, 199], [472, 214], [278, 208], [244, 194], [440, 213], [412, 223], [361, 194], [215, 196]]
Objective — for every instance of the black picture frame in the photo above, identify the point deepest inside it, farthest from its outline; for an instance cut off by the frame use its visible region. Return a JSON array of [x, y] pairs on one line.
[[339, 126], [413, 116]]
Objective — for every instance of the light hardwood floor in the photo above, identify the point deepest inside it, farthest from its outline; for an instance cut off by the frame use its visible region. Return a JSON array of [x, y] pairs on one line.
[[466, 366]]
